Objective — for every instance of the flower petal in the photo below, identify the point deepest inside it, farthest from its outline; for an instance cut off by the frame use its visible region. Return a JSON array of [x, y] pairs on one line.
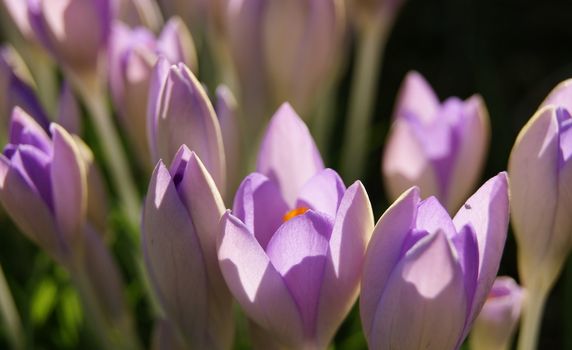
[[259, 204], [383, 252], [487, 211], [323, 192], [432, 217], [25, 130], [157, 84], [28, 210], [288, 154], [352, 230], [69, 185], [475, 136], [173, 256], [187, 117], [411, 312], [255, 283], [416, 97], [298, 251]]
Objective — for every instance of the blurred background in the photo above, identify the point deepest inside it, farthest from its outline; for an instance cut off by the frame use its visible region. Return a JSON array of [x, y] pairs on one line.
[[511, 52]]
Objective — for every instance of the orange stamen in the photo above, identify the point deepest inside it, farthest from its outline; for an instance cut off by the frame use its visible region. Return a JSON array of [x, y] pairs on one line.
[[294, 212]]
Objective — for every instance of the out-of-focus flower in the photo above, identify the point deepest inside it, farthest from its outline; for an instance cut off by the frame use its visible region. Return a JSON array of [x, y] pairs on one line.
[[17, 10], [132, 56], [540, 169], [16, 92], [139, 13], [227, 113], [426, 276], [292, 250], [180, 112], [288, 47], [497, 321], [180, 225], [439, 147], [43, 185], [75, 32]]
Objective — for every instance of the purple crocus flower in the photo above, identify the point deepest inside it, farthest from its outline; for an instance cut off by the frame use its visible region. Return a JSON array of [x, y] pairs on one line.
[[43, 188], [132, 55], [439, 147], [497, 321], [426, 276], [292, 250], [44, 184], [180, 224], [540, 169], [179, 112], [75, 32]]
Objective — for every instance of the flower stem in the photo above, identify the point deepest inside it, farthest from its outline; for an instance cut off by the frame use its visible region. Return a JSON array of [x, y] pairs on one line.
[[371, 42], [10, 314], [531, 318], [93, 95]]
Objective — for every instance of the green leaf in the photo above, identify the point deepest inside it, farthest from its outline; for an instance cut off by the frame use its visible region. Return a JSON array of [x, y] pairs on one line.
[[43, 301]]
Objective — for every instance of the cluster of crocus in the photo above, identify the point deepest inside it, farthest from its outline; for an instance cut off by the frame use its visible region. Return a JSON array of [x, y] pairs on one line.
[[292, 245]]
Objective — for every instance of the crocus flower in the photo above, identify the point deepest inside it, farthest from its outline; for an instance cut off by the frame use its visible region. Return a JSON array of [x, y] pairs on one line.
[[180, 112], [18, 13], [292, 250], [75, 32], [132, 55], [288, 47], [180, 226], [439, 147], [540, 169], [495, 325], [43, 188], [426, 276], [44, 184]]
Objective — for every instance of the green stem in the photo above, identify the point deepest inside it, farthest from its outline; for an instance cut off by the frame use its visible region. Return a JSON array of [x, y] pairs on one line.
[[114, 154], [110, 334], [371, 42], [531, 319], [45, 76], [10, 314]]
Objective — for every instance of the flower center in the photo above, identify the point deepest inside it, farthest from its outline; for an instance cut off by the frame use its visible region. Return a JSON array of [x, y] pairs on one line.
[[294, 212]]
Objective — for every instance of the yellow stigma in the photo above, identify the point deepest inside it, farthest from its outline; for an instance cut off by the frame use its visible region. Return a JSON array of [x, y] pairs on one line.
[[294, 212]]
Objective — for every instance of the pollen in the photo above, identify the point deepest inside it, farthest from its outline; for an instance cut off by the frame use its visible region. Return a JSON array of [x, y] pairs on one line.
[[294, 212]]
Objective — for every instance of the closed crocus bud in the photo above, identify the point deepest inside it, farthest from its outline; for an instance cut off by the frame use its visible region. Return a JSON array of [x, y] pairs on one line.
[[289, 46], [426, 276], [292, 249], [180, 225], [180, 112], [43, 185], [301, 40], [131, 57], [75, 32], [495, 325], [438, 147], [541, 172], [14, 91]]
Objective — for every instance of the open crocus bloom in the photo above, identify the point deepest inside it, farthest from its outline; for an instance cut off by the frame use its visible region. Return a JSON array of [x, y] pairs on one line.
[[426, 276], [439, 147], [293, 259]]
